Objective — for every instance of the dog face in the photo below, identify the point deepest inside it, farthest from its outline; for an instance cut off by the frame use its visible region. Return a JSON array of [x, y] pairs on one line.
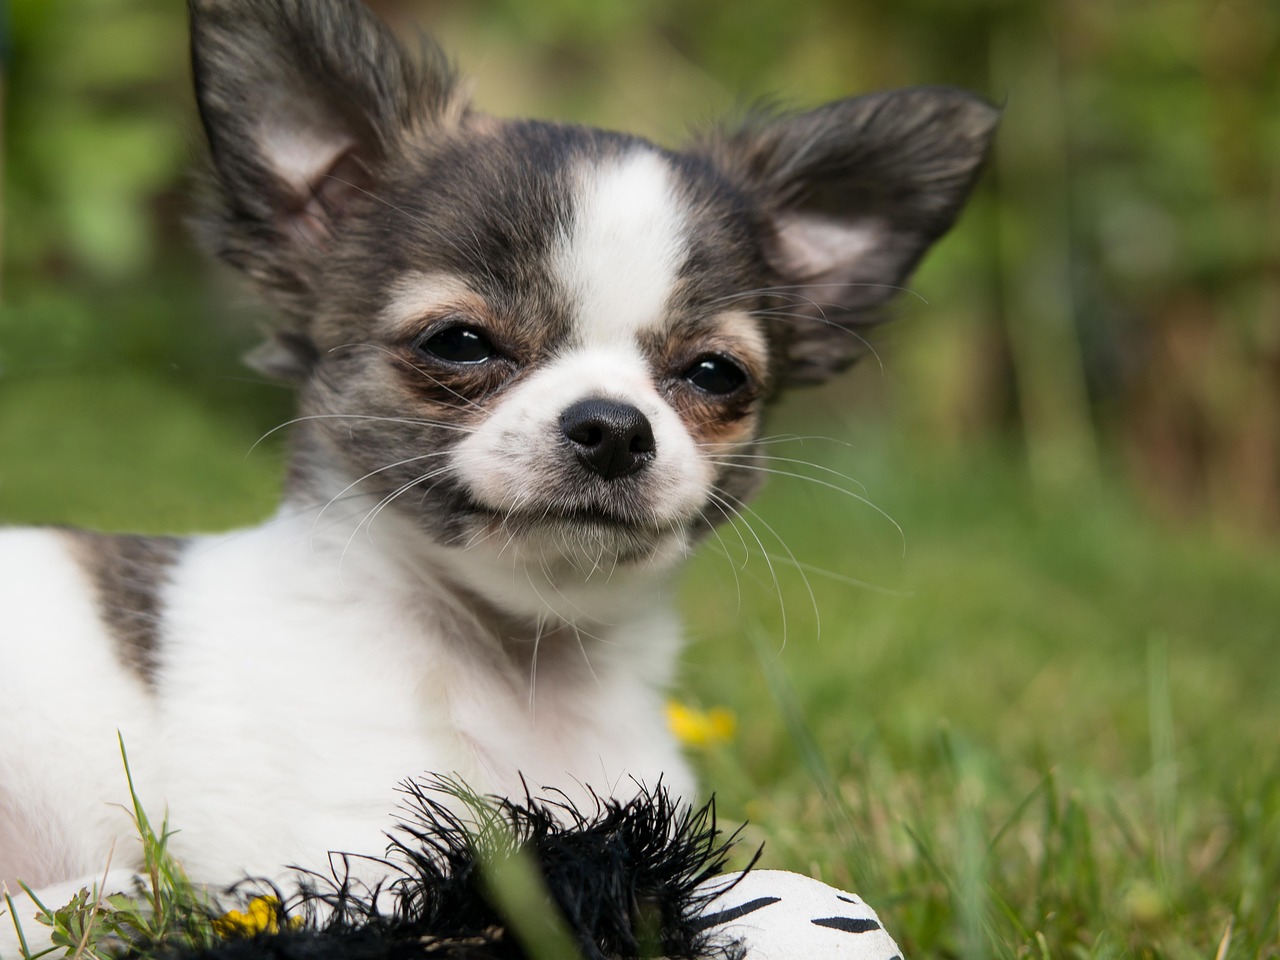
[[579, 377], [540, 341]]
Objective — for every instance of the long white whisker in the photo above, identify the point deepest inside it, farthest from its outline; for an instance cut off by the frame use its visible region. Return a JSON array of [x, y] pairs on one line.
[[813, 599], [370, 345], [822, 483], [771, 440], [724, 498], [724, 548], [533, 661], [841, 327], [733, 461], [416, 421], [372, 514], [586, 659], [372, 473], [842, 578], [790, 561], [784, 289]]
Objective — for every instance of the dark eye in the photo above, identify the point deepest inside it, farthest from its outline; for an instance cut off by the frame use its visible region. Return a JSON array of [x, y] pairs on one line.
[[715, 374], [458, 344]]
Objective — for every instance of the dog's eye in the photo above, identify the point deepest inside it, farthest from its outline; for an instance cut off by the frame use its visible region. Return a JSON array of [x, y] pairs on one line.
[[715, 374], [458, 344]]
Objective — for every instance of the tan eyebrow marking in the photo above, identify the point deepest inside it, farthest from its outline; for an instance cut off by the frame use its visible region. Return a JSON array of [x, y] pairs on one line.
[[417, 294]]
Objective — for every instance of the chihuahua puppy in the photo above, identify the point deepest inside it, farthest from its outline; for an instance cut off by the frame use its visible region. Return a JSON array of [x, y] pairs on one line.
[[532, 360]]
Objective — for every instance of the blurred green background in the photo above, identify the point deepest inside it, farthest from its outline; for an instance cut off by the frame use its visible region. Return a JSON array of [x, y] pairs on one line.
[[1029, 700]]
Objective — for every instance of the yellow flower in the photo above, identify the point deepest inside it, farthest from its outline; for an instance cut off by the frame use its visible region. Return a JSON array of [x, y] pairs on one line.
[[261, 916], [700, 728]]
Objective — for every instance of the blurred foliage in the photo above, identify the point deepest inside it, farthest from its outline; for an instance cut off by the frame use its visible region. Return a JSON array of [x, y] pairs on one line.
[[95, 135], [1110, 303]]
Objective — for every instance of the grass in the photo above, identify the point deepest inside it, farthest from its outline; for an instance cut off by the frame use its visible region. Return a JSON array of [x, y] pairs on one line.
[[1049, 728], [1055, 734], [168, 909]]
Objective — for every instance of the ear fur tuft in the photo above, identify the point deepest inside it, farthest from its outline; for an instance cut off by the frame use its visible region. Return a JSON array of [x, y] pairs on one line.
[[854, 193], [304, 103], [284, 355]]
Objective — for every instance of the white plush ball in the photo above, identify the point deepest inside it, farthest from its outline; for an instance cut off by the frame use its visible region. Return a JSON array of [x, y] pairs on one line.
[[779, 915]]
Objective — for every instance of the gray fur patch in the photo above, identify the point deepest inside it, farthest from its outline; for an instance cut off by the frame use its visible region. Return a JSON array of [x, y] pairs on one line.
[[128, 573]]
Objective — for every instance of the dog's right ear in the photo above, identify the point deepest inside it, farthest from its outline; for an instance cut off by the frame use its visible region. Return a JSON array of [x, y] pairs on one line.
[[851, 196], [303, 102]]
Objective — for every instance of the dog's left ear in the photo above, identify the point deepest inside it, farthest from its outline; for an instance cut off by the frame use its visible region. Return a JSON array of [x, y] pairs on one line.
[[303, 103], [853, 194]]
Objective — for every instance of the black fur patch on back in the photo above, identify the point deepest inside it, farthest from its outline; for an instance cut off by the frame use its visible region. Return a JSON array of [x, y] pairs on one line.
[[128, 573]]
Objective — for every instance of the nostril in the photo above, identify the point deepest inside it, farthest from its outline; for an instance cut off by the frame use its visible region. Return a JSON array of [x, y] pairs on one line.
[[642, 439], [586, 434]]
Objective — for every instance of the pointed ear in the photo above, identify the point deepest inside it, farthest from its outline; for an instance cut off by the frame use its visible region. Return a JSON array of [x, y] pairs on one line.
[[303, 102], [853, 193]]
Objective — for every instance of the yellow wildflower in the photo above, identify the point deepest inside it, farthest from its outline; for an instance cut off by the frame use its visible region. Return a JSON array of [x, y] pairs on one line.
[[700, 728], [261, 916]]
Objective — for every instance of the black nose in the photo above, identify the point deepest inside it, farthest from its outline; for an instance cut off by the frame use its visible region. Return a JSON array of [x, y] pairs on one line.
[[610, 438]]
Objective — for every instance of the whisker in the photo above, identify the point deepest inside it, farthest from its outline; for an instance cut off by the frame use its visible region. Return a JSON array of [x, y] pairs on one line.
[[563, 596], [843, 578], [813, 599], [387, 203], [729, 516], [841, 327], [783, 289], [541, 624], [372, 473], [785, 560], [733, 461], [586, 659], [770, 440], [823, 483], [372, 514], [724, 548], [370, 345], [416, 421], [719, 496]]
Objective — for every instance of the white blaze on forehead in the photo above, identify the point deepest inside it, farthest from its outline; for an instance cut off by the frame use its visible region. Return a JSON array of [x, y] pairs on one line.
[[622, 253]]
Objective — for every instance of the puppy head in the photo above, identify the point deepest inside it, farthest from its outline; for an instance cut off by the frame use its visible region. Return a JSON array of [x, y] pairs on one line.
[[542, 342]]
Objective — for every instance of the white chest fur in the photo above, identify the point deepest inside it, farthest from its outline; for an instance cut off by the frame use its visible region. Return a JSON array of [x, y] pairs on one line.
[[300, 678]]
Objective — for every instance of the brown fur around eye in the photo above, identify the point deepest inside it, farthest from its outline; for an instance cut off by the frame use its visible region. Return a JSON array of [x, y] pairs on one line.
[[452, 385], [711, 419]]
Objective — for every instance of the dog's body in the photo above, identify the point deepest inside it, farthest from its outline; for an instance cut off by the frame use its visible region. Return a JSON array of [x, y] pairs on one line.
[[291, 690], [532, 360]]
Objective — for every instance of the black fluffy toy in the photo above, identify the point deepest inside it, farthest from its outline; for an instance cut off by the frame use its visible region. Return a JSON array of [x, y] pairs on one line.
[[640, 878], [625, 877]]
